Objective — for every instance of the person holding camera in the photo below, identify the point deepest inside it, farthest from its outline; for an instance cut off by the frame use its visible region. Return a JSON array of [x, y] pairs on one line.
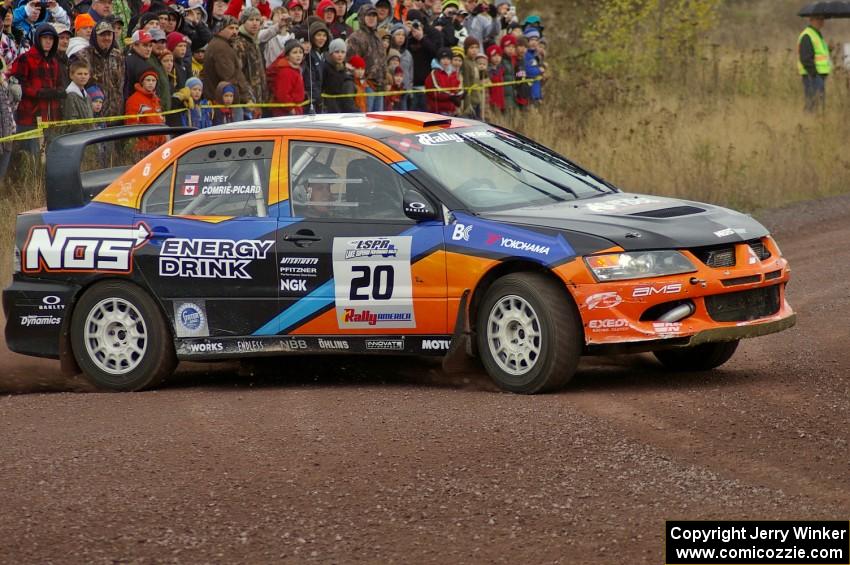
[[274, 35], [31, 13], [423, 42]]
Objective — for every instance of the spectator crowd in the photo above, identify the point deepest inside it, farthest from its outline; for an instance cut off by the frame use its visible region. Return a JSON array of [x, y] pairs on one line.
[[218, 61]]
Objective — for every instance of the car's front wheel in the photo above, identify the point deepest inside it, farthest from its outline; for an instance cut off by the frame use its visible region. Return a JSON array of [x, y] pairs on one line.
[[529, 335], [120, 339], [703, 357]]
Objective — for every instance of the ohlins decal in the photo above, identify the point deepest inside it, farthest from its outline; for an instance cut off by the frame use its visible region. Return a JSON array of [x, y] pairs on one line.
[[210, 258], [83, 248]]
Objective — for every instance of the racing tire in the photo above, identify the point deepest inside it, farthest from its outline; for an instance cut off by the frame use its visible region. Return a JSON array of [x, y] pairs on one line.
[[120, 338], [703, 357], [528, 334]]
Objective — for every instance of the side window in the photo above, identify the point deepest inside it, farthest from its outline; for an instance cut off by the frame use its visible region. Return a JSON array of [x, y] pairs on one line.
[[224, 179], [335, 181], [156, 198]]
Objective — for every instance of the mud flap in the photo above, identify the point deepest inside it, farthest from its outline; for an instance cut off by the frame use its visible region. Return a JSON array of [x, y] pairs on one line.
[[461, 355]]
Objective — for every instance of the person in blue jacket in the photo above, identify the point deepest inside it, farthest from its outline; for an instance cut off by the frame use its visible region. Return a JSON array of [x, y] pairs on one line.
[[30, 13], [533, 68]]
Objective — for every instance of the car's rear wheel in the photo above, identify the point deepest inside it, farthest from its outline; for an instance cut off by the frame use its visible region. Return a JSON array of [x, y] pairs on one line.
[[703, 357], [529, 335], [120, 339]]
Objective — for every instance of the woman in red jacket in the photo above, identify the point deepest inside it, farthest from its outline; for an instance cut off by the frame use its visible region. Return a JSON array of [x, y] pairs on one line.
[[288, 83], [145, 101], [447, 100]]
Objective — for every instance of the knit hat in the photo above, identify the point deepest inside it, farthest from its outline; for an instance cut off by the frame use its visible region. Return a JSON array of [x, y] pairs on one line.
[[229, 89], [494, 50], [192, 82], [387, 2], [457, 51], [448, 3], [532, 33], [83, 20], [249, 13], [337, 44], [398, 27], [290, 45], [357, 62], [393, 53], [95, 92], [224, 22], [444, 53], [398, 70], [507, 40], [323, 6], [500, 2], [148, 73], [470, 41], [174, 39]]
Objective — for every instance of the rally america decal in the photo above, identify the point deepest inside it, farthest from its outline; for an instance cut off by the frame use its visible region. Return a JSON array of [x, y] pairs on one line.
[[83, 248], [372, 283]]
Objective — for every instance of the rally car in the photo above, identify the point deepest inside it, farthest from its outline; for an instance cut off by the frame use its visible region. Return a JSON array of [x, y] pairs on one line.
[[381, 233]]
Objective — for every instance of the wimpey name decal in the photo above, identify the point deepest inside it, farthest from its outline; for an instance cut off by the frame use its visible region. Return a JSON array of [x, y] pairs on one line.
[[210, 258], [83, 248]]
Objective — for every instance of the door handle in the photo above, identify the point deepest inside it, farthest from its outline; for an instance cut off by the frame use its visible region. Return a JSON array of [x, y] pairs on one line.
[[301, 235]]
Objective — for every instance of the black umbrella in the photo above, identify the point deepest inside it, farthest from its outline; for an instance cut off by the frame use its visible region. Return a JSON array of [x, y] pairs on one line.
[[835, 9]]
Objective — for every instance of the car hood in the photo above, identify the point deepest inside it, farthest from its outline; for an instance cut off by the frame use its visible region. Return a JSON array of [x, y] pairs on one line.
[[635, 221]]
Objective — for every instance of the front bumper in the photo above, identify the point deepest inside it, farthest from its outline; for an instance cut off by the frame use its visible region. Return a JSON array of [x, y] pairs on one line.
[[743, 300]]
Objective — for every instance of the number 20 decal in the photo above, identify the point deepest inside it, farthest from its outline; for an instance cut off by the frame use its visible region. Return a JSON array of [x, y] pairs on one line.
[[382, 279]]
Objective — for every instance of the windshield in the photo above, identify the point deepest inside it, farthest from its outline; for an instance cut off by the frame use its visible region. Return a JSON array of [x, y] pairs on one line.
[[490, 169]]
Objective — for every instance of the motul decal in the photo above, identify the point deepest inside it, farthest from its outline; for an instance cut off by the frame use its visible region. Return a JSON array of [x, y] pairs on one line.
[[83, 248]]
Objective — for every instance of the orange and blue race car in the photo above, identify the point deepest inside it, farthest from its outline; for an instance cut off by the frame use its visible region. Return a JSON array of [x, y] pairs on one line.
[[387, 233]]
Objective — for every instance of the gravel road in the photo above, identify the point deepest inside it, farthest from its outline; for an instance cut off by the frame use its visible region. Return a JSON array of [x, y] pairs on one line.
[[380, 461]]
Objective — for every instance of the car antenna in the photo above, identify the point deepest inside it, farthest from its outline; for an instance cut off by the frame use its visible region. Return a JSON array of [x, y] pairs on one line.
[[312, 110]]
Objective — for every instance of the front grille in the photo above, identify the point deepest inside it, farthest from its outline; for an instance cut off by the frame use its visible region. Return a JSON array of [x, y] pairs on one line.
[[773, 275], [674, 212], [759, 249], [741, 280], [718, 256], [743, 306]]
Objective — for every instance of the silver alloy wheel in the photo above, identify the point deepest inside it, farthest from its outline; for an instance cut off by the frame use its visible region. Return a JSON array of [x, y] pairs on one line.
[[513, 334], [116, 337]]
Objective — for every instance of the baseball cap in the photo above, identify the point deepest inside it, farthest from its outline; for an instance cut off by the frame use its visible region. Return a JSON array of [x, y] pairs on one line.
[[103, 27], [157, 34], [60, 28], [141, 36], [294, 4]]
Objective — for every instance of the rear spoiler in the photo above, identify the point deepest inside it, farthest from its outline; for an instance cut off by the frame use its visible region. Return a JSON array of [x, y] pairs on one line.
[[66, 186]]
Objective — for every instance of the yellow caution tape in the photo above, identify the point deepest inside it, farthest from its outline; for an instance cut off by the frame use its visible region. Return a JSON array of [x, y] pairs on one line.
[[38, 132]]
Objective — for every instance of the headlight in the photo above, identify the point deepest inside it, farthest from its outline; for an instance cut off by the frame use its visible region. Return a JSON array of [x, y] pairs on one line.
[[638, 265]]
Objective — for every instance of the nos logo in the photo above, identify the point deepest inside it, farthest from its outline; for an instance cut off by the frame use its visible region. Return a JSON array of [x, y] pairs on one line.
[[83, 248]]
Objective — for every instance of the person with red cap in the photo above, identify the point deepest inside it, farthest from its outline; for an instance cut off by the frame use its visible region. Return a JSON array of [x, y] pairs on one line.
[[361, 84], [178, 45], [144, 101], [496, 94], [509, 62]]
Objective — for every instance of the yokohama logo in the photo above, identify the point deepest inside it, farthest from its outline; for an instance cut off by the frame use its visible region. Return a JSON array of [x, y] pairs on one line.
[[83, 248]]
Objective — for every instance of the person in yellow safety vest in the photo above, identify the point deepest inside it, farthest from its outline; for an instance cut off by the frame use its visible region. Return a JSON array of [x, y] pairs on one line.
[[814, 63]]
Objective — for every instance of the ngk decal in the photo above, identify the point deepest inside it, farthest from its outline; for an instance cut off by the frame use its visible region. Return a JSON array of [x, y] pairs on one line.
[[83, 248], [643, 291], [603, 300], [608, 325]]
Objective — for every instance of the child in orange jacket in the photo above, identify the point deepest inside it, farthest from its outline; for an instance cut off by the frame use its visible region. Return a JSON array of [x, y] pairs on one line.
[[145, 101]]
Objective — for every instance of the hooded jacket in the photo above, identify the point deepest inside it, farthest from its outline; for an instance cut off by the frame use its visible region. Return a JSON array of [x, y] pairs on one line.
[[442, 102], [366, 43], [107, 71], [38, 74], [313, 64], [144, 102], [289, 89]]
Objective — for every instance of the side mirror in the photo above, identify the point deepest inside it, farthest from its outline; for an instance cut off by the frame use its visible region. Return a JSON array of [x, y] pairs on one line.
[[417, 207]]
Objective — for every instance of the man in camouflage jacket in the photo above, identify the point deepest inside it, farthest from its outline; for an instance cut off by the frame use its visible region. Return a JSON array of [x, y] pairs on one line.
[[251, 57], [366, 43], [107, 68]]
